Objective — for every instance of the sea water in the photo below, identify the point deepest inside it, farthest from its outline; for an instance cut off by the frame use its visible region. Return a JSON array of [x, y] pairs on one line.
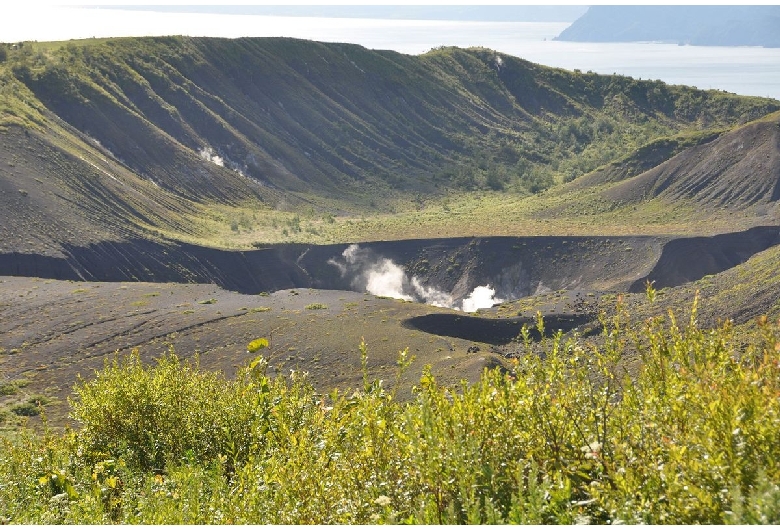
[[742, 70]]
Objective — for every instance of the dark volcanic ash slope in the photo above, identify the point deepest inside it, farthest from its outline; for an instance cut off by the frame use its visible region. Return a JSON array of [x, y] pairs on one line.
[[128, 136], [736, 170], [337, 119], [312, 116], [514, 266], [58, 188], [688, 259]]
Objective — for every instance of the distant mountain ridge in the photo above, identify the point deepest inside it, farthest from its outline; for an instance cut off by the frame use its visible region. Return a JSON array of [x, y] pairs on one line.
[[693, 25]]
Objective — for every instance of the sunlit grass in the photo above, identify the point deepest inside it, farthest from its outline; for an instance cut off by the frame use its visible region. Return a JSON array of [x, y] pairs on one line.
[[478, 214]]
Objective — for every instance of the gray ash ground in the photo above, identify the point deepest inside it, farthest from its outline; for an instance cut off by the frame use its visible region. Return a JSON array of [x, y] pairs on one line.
[[52, 332]]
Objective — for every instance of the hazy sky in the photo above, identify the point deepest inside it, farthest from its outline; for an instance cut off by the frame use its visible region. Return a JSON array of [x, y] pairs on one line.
[[45, 21], [486, 13], [54, 23]]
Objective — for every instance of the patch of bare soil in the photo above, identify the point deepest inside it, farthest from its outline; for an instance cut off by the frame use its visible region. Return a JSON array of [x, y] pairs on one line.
[[53, 332]]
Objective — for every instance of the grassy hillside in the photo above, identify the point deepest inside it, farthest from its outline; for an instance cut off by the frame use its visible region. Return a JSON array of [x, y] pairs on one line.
[[229, 135]]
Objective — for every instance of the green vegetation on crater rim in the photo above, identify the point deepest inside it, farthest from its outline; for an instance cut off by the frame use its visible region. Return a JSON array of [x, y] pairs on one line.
[[217, 137]]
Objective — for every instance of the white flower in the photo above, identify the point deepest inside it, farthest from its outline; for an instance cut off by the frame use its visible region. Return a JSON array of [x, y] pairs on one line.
[[383, 500], [592, 450]]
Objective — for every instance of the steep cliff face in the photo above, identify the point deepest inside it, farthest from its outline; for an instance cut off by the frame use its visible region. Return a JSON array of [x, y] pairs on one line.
[[451, 269], [689, 259]]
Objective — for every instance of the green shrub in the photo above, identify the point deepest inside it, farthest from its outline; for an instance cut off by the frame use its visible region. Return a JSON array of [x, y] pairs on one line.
[[170, 412], [8, 388], [26, 409]]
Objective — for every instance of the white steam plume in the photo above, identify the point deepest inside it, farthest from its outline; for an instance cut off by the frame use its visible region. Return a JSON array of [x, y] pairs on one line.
[[482, 297], [387, 279], [431, 295], [207, 153], [383, 277], [340, 266], [351, 253]]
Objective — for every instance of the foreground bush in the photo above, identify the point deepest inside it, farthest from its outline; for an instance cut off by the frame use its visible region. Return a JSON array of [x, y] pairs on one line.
[[566, 437], [172, 410]]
